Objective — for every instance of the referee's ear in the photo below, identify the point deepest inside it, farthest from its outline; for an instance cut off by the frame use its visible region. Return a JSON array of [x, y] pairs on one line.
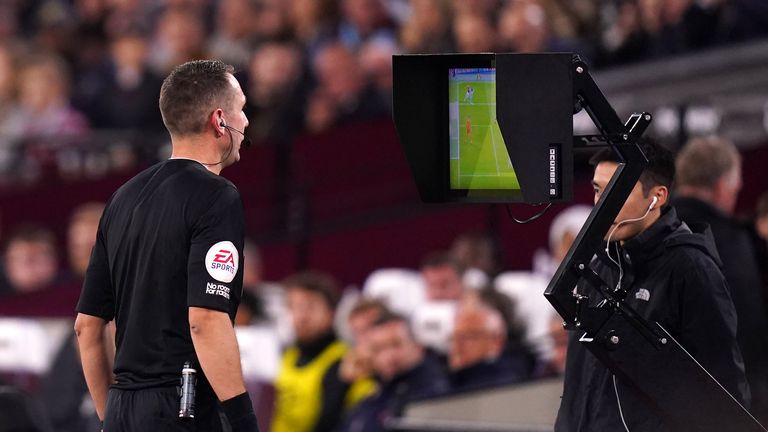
[[216, 121]]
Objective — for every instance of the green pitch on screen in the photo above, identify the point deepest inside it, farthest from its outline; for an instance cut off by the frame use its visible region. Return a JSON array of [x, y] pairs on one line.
[[478, 156]]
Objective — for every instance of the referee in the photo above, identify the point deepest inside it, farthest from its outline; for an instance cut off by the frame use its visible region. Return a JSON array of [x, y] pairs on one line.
[[166, 268]]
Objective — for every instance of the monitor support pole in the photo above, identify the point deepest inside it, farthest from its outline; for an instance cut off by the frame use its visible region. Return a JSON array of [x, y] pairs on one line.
[[641, 353]]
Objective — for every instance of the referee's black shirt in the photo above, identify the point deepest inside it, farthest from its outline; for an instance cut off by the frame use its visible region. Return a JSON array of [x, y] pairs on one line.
[[170, 238]]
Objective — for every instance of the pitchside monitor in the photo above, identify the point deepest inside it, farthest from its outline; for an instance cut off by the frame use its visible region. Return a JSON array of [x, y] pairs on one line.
[[486, 127]]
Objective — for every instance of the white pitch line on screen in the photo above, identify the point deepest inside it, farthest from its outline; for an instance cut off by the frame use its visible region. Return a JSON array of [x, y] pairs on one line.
[[495, 156]]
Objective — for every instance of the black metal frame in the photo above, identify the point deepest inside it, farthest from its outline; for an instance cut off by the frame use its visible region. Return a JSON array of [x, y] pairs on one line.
[[641, 353]]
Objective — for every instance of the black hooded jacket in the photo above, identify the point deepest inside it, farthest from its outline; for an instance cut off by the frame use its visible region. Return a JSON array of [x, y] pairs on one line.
[[672, 276], [742, 271]]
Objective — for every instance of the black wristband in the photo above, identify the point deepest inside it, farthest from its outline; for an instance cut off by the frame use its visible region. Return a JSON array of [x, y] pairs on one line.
[[239, 411]]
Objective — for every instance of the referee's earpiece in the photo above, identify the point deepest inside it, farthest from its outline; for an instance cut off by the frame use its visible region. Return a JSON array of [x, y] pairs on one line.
[[653, 203], [222, 124]]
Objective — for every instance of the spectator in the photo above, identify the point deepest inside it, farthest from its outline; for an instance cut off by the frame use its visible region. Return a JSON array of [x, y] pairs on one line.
[[473, 33], [179, 38], [562, 233], [276, 92], [249, 311], [64, 393], [376, 63], [7, 74], [341, 94], [444, 287], [63, 390], [363, 20], [310, 396], [314, 23], [476, 357], [404, 371], [264, 300], [131, 90], [428, 27], [30, 260], [442, 275], [477, 253], [708, 184], [235, 32], [43, 111], [516, 349], [272, 22], [625, 40], [523, 27], [479, 7], [356, 363], [81, 236], [7, 102]]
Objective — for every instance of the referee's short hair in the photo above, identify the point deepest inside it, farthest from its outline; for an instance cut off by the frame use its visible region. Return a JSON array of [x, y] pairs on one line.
[[190, 94], [317, 282]]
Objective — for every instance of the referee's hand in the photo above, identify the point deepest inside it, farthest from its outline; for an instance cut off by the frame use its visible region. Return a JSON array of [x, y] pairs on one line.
[[239, 411]]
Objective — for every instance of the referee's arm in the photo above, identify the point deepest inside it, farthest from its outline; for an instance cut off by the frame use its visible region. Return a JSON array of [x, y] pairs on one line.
[[219, 355], [91, 334], [217, 350]]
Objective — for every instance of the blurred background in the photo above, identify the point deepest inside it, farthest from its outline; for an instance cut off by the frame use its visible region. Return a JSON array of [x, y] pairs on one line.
[[326, 186]]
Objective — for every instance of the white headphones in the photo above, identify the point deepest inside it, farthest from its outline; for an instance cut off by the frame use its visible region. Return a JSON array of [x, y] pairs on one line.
[[653, 203]]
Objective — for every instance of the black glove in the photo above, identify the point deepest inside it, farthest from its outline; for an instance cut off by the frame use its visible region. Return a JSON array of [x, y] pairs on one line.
[[239, 411]]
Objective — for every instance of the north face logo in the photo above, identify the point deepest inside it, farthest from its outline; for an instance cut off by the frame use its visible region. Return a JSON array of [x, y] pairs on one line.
[[643, 294]]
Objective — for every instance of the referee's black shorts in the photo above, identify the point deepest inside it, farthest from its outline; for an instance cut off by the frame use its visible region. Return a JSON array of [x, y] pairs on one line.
[[158, 410]]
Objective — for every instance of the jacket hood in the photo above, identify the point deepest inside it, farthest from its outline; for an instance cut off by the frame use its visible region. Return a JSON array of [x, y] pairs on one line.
[[670, 232]]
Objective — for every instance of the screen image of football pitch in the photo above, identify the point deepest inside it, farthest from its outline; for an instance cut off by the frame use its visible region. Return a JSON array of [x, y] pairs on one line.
[[478, 156]]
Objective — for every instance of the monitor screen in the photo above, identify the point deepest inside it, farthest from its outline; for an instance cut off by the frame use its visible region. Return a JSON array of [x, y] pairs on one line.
[[486, 127], [478, 157]]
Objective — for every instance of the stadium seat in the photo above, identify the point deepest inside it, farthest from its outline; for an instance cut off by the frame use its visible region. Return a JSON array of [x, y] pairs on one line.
[[402, 290]]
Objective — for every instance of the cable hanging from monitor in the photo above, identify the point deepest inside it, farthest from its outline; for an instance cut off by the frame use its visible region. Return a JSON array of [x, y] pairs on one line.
[[530, 219]]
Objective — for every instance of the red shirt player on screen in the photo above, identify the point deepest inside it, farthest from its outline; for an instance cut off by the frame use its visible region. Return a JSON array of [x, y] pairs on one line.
[[469, 129]]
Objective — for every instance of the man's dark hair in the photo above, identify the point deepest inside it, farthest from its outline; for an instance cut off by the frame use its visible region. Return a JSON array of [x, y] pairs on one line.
[[506, 307], [388, 317], [316, 282], [660, 170], [191, 92], [366, 304], [31, 233], [442, 259]]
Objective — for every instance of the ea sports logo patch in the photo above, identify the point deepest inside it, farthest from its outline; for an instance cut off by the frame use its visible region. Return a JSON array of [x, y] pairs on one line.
[[221, 261]]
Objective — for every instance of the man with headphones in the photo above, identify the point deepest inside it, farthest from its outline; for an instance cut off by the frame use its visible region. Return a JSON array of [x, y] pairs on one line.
[[167, 269], [671, 274]]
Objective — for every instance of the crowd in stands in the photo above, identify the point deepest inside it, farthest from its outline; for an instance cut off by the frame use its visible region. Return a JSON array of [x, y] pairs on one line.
[[79, 79]]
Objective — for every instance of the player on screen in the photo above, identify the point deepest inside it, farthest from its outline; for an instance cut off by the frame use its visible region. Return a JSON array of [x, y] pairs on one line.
[[469, 94], [469, 129]]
